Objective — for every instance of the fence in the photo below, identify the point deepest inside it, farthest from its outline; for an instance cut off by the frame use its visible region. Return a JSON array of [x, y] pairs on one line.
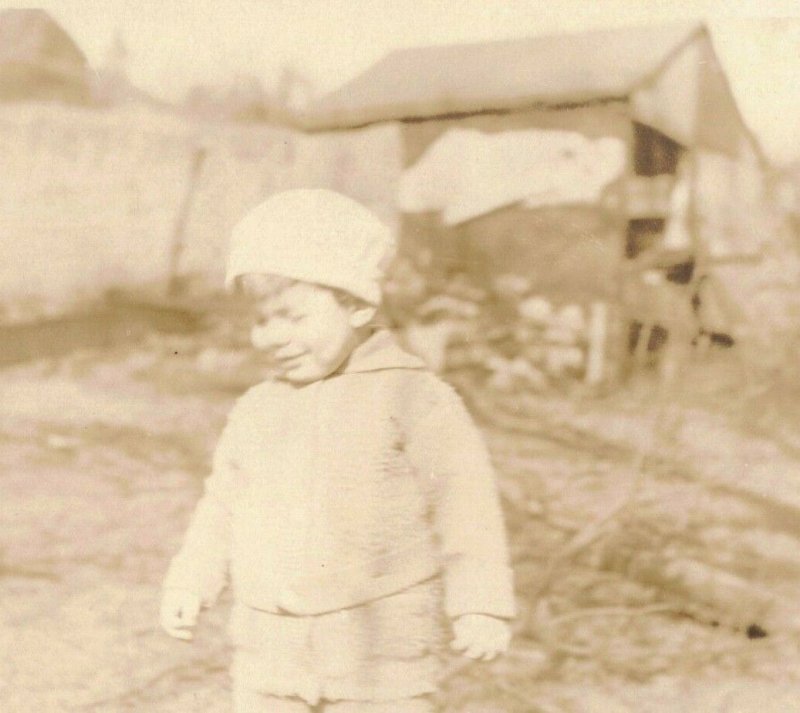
[[91, 200]]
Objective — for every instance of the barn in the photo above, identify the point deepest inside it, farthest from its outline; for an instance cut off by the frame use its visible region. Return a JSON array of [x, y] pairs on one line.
[[609, 170], [39, 61]]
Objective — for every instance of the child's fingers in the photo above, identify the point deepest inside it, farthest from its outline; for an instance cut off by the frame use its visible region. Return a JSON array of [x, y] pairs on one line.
[[170, 623], [178, 621], [475, 651], [459, 643], [179, 609], [485, 651], [480, 638], [189, 613], [177, 626], [181, 633]]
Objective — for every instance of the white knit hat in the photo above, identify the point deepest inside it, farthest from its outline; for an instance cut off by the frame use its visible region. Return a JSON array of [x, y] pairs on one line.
[[317, 236]]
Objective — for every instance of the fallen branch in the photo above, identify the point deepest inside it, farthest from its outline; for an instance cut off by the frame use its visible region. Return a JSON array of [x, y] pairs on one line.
[[627, 612], [709, 592]]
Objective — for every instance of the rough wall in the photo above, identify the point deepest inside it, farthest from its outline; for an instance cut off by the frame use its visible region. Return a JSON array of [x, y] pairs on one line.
[[90, 200], [245, 165], [86, 203]]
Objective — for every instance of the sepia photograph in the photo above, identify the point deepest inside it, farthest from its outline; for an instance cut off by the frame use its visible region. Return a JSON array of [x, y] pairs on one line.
[[400, 356]]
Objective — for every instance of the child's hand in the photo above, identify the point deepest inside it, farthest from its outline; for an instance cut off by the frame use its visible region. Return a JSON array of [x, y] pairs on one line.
[[179, 610], [479, 636]]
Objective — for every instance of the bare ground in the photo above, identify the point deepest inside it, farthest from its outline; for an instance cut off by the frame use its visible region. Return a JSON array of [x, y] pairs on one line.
[[102, 454]]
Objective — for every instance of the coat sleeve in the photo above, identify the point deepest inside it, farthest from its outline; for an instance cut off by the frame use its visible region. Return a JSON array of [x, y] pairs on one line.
[[447, 447], [201, 564]]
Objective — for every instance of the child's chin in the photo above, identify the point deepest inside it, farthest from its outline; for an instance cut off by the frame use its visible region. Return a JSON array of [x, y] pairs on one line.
[[307, 371], [301, 376]]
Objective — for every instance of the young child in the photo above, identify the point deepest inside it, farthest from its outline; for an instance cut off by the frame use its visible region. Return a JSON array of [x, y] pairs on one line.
[[351, 498]]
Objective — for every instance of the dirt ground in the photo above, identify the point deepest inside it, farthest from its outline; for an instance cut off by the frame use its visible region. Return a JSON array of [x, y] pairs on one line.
[[655, 572]]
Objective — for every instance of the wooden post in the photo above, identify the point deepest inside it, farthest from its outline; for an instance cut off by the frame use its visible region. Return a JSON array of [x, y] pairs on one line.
[[595, 365], [693, 219], [618, 322], [179, 230]]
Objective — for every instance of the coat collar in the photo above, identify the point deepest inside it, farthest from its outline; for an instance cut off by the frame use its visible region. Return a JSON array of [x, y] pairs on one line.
[[380, 351]]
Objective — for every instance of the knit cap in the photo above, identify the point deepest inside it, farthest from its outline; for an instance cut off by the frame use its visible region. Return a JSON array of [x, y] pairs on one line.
[[317, 236]]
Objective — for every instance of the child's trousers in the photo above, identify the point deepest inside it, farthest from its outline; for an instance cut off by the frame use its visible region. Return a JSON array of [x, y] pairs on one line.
[[246, 701], [385, 649]]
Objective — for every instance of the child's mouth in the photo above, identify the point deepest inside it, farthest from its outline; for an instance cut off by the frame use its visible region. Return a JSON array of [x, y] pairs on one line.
[[288, 362]]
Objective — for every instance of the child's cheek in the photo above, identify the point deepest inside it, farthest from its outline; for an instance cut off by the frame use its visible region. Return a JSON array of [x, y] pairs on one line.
[[258, 337]]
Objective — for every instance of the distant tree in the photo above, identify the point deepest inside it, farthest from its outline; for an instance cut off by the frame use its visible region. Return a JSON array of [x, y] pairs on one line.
[[293, 90], [246, 99], [243, 98]]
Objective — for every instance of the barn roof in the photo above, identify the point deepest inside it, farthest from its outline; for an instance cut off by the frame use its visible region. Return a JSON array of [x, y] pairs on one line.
[[562, 69], [31, 35], [670, 73], [31, 38]]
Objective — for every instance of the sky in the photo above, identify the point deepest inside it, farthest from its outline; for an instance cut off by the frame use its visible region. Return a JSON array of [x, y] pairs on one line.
[[175, 43]]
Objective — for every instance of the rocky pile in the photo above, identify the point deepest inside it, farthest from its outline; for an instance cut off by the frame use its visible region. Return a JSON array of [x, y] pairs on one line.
[[506, 332]]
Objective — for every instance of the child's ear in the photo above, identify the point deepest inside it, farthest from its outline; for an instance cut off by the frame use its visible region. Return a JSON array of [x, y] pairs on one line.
[[361, 316]]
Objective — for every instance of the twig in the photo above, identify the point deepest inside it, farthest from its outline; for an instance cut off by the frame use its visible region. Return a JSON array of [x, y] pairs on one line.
[[612, 612], [594, 530], [23, 573]]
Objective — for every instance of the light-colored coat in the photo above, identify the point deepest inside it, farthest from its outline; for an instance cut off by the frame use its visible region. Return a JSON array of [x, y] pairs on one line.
[[337, 493]]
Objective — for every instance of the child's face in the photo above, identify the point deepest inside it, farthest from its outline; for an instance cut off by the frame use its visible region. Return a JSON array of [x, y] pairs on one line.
[[306, 331]]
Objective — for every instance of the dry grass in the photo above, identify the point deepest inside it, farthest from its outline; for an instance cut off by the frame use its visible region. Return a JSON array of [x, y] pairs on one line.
[[102, 456]]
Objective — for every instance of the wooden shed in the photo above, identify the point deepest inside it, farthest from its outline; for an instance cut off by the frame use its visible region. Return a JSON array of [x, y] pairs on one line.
[[670, 207], [39, 60]]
